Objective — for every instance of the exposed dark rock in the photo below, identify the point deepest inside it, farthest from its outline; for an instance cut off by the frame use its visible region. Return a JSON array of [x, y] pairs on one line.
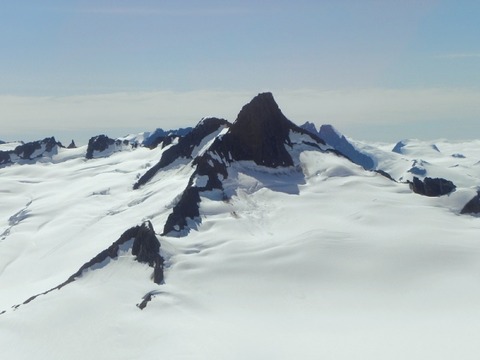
[[310, 127], [72, 145], [159, 135], [26, 151], [398, 148], [473, 206], [5, 158], [184, 147], [29, 151], [432, 187], [146, 299], [186, 208], [385, 174], [418, 168], [98, 143], [458, 156], [340, 143], [145, 247], [435, 147], [168, 140], [188, 204], [260, 134]]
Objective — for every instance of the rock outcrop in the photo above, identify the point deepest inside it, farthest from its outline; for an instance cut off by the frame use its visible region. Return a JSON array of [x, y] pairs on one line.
[[98, 144], [185, 146], [5, 158], [432, 187], [102, 146], [27, 152], [310, 127], [261, 133], [35, 149], [473, 206], [144, 246]]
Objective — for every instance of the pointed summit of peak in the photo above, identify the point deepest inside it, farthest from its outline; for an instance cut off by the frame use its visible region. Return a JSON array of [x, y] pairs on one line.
[[259, 133], [262, 110]]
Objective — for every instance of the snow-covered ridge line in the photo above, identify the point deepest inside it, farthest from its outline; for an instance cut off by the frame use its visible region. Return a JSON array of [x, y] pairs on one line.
[[141, 241], [30, 152]]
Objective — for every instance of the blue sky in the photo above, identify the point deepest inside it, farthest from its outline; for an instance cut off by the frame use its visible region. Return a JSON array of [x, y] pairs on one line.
[[74, 68]]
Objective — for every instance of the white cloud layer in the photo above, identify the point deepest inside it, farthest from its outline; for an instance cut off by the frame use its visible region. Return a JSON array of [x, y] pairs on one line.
[[364, 113]]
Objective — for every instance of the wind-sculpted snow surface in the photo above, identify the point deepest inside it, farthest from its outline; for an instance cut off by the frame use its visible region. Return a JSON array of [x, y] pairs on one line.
[[288, 250]]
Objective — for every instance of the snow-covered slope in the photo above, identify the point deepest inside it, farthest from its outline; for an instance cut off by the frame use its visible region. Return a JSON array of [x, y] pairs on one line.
[[295, 253]]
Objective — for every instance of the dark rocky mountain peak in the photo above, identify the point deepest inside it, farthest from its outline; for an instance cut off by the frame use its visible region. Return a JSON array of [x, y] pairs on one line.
[[98, 143], [260, 133], [72, 145], [103, 146]]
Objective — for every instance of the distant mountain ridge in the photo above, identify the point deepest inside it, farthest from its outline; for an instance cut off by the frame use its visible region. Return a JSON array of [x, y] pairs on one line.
[[339, 142], [30, 151]]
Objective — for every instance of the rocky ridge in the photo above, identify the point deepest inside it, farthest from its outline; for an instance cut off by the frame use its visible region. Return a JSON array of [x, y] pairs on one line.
[[30, 151], [144, 246], [261, 134]]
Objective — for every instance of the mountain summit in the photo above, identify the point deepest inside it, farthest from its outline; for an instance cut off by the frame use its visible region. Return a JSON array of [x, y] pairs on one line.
[[260, 134]]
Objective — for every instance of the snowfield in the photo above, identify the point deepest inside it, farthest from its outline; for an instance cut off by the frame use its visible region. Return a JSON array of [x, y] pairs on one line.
[[322, 260]]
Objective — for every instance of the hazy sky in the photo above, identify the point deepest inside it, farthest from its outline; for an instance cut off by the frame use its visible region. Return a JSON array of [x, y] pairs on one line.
[[375, 69]]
